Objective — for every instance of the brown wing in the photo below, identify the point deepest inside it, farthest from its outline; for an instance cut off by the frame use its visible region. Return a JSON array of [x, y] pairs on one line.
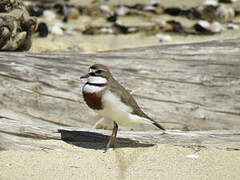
[[127, 98]]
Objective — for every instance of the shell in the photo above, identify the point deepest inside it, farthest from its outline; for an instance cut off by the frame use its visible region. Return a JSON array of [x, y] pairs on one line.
[[49, 15], [210, 3], [232, 26], [73, 13], [57, 29], [204, 24], [163, 37], [216, 27], [122, 11], [225, 13]]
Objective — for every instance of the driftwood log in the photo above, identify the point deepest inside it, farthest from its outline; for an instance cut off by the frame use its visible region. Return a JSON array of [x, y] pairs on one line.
[[185, 87], [16, 26]]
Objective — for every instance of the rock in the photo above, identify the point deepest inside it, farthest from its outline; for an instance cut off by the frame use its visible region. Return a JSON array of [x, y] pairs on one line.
[[210, 2], [216, 27], [232, 26], [163, 37], [57, 29], [49, 15], [35, 11], [73, 13], [42, 29], [224, 13], [123, 10]]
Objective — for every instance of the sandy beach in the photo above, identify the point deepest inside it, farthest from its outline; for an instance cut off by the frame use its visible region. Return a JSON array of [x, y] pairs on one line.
[[157, 162]]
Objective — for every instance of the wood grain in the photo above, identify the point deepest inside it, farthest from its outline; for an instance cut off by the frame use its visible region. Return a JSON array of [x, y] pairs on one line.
[[184, 86]]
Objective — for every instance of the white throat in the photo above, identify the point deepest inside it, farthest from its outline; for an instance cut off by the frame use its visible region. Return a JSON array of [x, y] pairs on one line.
[[97, 80], [94, 84]]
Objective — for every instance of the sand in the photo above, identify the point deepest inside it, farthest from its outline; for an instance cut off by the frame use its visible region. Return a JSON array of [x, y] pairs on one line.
[[157, 162]]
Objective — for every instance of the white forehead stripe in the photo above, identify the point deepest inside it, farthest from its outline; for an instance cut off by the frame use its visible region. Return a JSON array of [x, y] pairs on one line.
[[97, 80], [90, 70], [92, 89]]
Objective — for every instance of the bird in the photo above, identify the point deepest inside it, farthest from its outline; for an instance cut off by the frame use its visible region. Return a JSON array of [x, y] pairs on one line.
[[112, 101]]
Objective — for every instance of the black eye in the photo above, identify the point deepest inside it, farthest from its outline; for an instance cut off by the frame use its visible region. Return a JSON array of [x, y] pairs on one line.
[[98, 71]]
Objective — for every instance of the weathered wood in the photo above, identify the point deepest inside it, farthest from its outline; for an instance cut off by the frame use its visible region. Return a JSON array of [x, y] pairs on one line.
[[187, 86], [26, 136]]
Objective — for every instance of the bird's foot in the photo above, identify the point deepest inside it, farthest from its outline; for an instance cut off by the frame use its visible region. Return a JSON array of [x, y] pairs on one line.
[[112, 143]]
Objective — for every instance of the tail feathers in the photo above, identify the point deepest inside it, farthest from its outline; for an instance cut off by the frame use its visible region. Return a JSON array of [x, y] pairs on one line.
[[158, 125]]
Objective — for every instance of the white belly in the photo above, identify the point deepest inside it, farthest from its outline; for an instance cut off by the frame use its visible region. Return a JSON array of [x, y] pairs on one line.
[[117, 111]]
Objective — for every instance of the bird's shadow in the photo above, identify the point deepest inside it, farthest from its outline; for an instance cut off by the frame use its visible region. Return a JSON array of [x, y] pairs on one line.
[[93, 140]]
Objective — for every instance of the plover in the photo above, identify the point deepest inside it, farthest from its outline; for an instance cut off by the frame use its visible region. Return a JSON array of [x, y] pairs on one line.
[[109, 99]]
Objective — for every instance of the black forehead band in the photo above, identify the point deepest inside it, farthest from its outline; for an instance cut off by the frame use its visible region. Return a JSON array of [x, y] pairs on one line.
[[92, 74], [93, 67]]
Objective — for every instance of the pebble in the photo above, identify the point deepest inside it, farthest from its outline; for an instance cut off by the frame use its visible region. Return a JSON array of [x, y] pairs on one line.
[[70, 31], [225, 13], [163, 37], [210, 3], [105, 8], [122, 11], [121, 28], [232, 26], [204, 24], [49, 15], [216, 27], [73, 13], [107, 30], [112, 18], [42, 29], [192, 156], [60, 9], [35, 11], [57, 29], [149, 8]]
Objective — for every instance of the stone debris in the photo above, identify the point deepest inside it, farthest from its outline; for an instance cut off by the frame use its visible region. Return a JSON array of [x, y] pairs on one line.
[[49, 15], [57, 29], [232, 26], [42, 29], [209, 18], [212, 17], [163, 37]]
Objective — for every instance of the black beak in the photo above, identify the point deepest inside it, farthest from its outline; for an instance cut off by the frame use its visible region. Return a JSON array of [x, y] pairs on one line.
[[85, 76]]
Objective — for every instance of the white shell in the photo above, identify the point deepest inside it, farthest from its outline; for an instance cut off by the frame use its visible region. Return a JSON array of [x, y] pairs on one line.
[[107, 30], [225, 13], [149, 8], [105, 8], [57, 29], [193, 156], [163, 37], [122, 11], [216, 27], [232, 26], [49, 15], [210, 3], [204, 24]]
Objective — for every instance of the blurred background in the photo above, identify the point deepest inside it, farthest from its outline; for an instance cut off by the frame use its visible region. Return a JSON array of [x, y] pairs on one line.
[[100, 25]]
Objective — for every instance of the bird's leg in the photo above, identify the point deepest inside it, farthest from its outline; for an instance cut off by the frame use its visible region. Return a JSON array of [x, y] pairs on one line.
[[113, 139]]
